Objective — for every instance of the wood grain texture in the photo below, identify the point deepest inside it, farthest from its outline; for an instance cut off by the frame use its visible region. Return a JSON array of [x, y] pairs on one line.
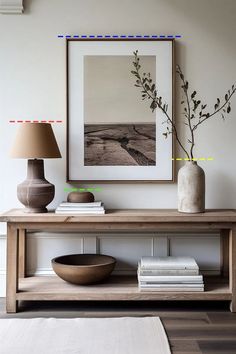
[[224, 237], [124, 288], [125, 215], [232, 267], [12, 268], [22, 254], [119, 288]]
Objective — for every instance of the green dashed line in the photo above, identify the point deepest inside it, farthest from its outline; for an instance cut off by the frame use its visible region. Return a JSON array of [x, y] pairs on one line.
[[82, 189]]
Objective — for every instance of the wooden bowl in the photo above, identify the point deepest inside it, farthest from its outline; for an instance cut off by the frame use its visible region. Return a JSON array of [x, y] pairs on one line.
[[83, 268], [80, 197]]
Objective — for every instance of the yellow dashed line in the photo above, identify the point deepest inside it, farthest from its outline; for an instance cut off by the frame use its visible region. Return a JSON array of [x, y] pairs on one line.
[[193, 159]]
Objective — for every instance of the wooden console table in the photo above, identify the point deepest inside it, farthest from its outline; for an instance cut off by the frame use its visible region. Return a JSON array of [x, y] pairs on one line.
[[20, 287]]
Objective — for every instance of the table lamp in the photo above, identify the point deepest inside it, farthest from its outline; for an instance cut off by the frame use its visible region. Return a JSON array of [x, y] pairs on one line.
[[35, 141]]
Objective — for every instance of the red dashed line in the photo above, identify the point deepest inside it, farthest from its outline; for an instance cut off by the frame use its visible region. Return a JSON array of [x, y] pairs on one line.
[[35, 121]]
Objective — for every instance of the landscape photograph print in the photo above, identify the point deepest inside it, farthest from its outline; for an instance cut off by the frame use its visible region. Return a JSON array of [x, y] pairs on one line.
[[119, 129]]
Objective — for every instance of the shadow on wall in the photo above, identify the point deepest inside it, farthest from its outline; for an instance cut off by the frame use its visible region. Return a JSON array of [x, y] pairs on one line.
[[27, 6], [222, 190]]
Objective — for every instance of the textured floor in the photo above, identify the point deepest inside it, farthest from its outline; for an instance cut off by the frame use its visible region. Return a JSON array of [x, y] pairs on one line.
[[192, 328]]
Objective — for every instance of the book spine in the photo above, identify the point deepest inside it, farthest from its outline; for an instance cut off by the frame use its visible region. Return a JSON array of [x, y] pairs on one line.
[[171, 278], [80, 209], [161, 272], [171, 289], [168, 267], [85, 205], [69, 212], [157, 285]]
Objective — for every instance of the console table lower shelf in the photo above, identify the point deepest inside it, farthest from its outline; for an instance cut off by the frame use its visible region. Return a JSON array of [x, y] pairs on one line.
[[118, 288], [20, 287]]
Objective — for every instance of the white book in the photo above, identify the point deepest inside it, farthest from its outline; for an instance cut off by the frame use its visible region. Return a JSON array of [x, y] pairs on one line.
[[171, 278], [80, 212], [171, 289], [85, 205], [180, 286], [168, 263], [167, 272], [79, 208]]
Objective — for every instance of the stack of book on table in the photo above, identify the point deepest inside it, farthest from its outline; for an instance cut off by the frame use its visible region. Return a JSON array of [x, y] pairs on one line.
[[169, 274], [80, 208]]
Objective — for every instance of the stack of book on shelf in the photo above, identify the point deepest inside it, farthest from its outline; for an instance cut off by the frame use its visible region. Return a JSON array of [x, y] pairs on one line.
[[80, 208], [169, 274]]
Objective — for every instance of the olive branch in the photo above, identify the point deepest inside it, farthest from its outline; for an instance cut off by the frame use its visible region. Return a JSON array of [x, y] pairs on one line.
[[194, 110]]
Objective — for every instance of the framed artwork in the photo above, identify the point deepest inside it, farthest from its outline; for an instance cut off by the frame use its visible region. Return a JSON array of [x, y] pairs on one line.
[[112, 134]]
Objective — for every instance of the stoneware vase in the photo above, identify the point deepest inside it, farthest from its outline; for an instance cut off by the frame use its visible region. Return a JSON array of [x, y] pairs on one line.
[[191, 188]]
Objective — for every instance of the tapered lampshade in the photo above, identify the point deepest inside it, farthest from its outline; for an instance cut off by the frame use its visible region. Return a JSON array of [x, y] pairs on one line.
[[35, 141]]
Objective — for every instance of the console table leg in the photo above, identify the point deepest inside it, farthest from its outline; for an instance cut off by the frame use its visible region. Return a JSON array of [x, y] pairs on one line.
[[224, 253], [232, 268], [22, 250], [12, 268]]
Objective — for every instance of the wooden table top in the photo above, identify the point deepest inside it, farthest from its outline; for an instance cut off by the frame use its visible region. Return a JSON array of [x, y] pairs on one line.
[[123, 215]]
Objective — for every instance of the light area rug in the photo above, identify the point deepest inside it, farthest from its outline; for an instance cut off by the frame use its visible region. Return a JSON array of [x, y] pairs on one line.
[[125, 335]]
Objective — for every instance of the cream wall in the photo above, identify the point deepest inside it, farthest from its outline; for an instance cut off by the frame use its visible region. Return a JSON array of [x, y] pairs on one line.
[[33, 81]]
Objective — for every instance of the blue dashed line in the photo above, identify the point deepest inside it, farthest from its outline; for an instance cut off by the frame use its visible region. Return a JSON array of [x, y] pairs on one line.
[[121, 36]]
